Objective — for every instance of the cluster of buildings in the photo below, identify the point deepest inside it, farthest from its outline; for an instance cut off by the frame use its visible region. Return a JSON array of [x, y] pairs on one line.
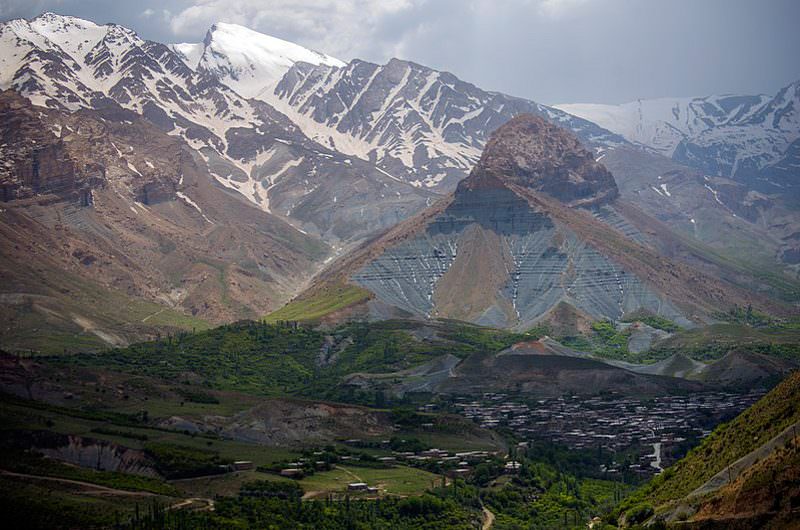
[[454, 464], [614, 423], [446, 462]]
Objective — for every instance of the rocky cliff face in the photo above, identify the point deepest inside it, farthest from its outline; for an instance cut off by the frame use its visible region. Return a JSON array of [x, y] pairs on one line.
[[35, 161], [101, 455], [530, 152]]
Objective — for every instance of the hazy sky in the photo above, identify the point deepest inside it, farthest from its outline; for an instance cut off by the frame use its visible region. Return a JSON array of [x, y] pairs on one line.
[[552, 51]]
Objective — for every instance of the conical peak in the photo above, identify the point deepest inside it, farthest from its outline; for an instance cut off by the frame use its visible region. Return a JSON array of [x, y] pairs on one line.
[[531, 152]]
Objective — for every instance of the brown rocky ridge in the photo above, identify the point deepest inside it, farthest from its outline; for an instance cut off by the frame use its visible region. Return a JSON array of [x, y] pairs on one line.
[[531, 152]]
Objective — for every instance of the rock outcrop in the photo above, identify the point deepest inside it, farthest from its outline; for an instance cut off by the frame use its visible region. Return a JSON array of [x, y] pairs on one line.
[[531, 152]]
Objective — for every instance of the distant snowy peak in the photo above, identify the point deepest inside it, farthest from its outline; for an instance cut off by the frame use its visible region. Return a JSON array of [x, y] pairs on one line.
[[246, 60], [190, 52], [747, 137], [662, 123]]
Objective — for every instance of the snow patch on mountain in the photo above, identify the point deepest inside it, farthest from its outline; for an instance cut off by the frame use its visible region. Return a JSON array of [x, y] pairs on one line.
[[246, 60]]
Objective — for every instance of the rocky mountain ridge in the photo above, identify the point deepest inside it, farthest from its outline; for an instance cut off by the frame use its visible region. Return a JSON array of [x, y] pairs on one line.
[[385, 129], [334, 155], [113, 230], [424, 126], [69, 63]]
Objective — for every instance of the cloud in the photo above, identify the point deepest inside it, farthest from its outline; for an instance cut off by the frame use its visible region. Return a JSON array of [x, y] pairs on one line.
[[164, 14], [344, 28], [22, 8], [559, 8], [367, 29]]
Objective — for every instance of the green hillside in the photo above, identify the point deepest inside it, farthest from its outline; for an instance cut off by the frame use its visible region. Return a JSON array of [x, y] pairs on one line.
[[285, 359], [726, 444], [320, 304]]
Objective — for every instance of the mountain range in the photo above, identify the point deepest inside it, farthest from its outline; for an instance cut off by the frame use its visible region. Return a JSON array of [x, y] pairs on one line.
[[754, 139], [213, 181]]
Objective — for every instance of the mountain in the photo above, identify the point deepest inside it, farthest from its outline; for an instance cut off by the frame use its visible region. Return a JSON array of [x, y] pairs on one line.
[[330, 156], [755, 230], [245, 60], [69, 63], [738, 369], [364, 145], [428, 128], [750, 139], [537, 224], [115, 230], [421, 125], [533, 369]]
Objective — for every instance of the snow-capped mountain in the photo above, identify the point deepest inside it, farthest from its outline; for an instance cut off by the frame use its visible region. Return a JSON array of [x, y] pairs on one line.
[[388, 134], [246, 60], [409, 119], [69, 63], [342, 151], [753, 139]]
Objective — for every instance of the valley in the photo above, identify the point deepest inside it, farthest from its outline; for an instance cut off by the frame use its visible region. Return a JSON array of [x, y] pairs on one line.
[[203, 422]]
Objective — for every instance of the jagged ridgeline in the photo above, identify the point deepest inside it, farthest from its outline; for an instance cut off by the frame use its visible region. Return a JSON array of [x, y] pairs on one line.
[[536, 225]]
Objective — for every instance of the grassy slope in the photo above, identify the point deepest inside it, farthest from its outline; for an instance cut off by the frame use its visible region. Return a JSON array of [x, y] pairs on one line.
[[49, 322], [47, 504], [729, 442], [397, 480], [706, 343], [320, 303], [21, 415], [714, 341], [769, 485]]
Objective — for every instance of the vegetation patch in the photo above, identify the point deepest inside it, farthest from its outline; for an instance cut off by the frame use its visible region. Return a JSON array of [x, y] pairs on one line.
[[32, 463], [180, 461], [321, 303]]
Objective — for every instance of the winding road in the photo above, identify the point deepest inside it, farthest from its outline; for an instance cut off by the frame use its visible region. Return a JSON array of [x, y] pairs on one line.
[[94, 488], [488, 518], [97, 489]]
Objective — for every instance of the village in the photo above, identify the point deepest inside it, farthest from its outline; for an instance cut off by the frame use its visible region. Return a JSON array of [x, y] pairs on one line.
[[652, 428], [638, 436]]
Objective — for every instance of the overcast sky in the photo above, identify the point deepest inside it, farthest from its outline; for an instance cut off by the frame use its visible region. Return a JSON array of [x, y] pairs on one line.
[[552, 51]]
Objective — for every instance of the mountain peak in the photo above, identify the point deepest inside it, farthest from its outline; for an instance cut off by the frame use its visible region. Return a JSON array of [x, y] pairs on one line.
[[531, 152], [245, 59], [57, 22]]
